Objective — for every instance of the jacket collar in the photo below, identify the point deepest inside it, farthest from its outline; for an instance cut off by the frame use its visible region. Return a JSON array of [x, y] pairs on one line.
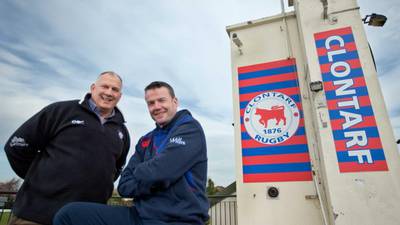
[[174, 119], [118, 117]]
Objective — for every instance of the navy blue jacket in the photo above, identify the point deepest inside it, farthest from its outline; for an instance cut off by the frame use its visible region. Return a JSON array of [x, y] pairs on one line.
[[65, 154], [167, 174]]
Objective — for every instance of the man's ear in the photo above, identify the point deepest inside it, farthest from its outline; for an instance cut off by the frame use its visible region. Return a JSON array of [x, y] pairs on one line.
[[176, 101], [92, 87]]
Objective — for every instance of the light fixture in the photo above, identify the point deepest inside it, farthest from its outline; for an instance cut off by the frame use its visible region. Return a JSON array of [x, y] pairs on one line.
[[375, 20], [316, 86], [237, 42]]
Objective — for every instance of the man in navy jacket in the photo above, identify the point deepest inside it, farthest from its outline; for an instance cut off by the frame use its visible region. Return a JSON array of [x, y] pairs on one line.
[[69, 151], [166, 176]]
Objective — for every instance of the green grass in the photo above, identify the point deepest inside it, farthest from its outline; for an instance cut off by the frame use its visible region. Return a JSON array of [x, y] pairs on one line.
[[4, 218]]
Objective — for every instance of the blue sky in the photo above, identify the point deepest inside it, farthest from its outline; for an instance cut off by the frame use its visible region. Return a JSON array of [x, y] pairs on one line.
[[53, 50]]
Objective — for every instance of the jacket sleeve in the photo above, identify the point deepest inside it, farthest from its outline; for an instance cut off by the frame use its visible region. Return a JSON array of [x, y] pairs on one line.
[[26, 142], [128, 186], [122, 159], [185, 147]]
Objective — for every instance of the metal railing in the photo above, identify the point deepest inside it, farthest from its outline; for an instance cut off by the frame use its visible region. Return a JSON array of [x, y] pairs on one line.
[[6, 202], [222, 211]]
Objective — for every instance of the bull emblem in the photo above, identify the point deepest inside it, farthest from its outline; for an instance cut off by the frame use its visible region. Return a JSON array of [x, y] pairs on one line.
[[276, 112]]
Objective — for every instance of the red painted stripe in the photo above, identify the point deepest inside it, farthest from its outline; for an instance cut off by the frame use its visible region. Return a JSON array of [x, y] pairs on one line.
[[294, 140], [373, 143], [355, 167], [354, 64], [267, 79], [265, 66], [277, 177], [357, 82], [242, 113], [326, 34], [286, 91], [367, 121], [301, 124], [348, 46], [275, 159], [362, 101]]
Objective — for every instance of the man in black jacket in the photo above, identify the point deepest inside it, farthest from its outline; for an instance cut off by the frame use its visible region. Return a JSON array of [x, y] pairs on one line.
[[69, 151]]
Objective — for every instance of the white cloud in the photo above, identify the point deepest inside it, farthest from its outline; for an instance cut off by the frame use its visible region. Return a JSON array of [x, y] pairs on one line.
[[389, 88], [12, 58]]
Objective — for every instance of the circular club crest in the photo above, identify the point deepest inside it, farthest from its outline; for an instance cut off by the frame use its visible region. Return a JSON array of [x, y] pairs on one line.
[[271, 118]]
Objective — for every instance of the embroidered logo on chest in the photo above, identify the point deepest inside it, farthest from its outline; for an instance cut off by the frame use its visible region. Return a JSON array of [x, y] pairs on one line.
[[145, 142], [78, 122], [120, 134], [177, 140]]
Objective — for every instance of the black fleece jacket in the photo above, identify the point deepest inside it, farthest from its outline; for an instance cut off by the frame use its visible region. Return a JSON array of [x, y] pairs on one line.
[[65, 154]]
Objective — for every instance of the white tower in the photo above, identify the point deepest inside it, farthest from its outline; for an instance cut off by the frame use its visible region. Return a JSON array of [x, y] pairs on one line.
[[313, 140]]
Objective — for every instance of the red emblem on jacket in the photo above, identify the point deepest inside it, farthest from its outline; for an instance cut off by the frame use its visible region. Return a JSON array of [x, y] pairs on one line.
[[145, 142]]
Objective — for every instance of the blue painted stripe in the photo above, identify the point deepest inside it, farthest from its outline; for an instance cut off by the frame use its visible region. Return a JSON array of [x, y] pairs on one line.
[[300, 131], [364, 111], [245, 136], [376, 154], [243, 104], [360, 91], [356, 72], [266, 87], [268, 72], [337, 58], [347, 39], [370, 132], [295, 98], [275, 150], [277, 168]]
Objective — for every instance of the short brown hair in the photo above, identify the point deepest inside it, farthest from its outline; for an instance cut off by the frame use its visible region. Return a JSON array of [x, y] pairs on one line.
[[160, 84]]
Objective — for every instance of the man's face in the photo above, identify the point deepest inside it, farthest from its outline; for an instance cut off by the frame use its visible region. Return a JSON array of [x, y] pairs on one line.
[[106, 93], [161, 105]]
